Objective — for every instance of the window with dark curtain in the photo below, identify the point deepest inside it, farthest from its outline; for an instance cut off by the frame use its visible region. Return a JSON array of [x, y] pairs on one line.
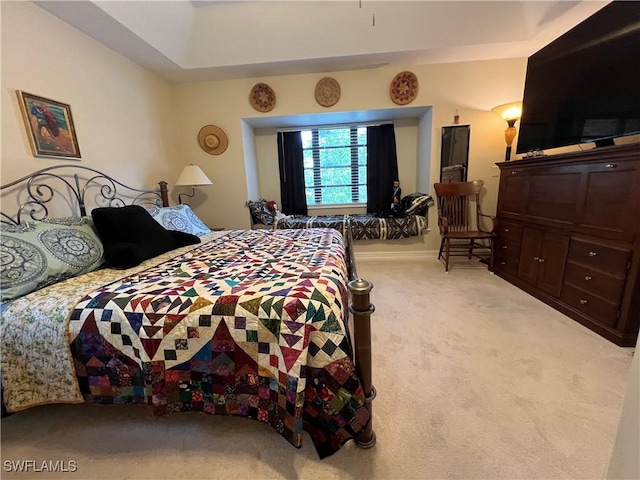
[[335, 165], [382, 167], [290, 161]]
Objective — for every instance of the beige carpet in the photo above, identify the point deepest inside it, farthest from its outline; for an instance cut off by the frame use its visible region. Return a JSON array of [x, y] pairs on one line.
[[475, 379]]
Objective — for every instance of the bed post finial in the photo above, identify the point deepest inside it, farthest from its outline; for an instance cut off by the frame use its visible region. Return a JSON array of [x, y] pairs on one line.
[[164, 193]]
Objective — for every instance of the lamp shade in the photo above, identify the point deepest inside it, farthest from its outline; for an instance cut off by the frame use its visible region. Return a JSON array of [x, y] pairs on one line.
[[509, 111], [193, 175]]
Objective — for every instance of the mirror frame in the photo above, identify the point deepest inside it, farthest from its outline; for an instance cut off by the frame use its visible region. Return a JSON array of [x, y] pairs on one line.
[[454, 153]]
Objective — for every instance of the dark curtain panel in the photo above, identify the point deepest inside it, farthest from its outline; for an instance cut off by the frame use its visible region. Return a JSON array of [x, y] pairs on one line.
[[294, 200], [382, 167]]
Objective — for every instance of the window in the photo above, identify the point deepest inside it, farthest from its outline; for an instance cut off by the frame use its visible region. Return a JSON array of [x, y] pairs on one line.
[[335, 165]]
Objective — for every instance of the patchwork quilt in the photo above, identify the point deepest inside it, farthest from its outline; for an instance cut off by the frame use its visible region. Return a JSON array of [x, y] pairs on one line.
[[363, 226], [252, 323]]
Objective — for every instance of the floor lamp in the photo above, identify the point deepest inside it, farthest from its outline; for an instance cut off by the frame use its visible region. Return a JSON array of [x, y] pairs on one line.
[[192, 176], [511, 112]]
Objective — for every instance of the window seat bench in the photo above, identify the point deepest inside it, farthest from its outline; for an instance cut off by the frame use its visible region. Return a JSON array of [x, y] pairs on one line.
[[363, 226]]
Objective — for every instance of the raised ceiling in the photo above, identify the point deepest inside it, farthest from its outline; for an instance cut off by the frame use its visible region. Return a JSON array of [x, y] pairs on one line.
[[186, 41]]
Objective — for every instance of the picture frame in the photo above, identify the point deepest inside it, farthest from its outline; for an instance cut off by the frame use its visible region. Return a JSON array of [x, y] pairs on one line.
[[49, 125]]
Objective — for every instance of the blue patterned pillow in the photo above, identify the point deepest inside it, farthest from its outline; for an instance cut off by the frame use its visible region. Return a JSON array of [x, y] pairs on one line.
[[180, 218], [261, 212], [38, 254]]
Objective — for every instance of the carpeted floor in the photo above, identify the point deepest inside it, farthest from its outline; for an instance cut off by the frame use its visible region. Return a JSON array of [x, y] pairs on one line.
[[475, 378]]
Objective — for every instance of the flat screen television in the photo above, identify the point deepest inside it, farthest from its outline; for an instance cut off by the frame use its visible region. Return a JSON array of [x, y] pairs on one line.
[[585, 85]]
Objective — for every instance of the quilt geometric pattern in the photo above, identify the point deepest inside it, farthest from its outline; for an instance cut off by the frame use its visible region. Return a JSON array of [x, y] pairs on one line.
[[252, 323]]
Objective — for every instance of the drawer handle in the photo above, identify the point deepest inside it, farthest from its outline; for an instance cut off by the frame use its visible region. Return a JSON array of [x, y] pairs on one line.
[[541, 260], [513, 172], [506, 230], [583, 301], [536, 259], [592, 254], [611, 165], [503, 263], [505, 247], [587, 277]]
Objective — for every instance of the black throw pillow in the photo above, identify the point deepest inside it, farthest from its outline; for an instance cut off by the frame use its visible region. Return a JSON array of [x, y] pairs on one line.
[[123, 255], [131, 235], [183, 239]]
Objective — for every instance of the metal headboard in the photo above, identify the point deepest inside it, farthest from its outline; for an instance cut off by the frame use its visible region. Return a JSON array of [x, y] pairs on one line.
[[35, 193]]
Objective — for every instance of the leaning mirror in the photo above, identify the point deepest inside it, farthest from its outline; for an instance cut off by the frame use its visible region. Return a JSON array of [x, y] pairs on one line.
[[454, 157]]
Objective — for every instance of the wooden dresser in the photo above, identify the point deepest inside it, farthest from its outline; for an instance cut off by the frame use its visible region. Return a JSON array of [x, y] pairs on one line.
[[569, 234]]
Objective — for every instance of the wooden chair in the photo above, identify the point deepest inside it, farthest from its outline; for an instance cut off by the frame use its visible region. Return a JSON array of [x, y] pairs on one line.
[[462, 232]]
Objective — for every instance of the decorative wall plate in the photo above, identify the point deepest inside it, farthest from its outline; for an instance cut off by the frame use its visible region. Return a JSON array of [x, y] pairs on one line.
[[262, 97], [404, 88], [327, 91]]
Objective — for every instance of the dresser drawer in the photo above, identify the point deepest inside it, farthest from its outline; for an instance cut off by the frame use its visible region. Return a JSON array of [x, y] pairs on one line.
[[593, 255], [507, 256], [594, 281], [600, 310], [510, 232]]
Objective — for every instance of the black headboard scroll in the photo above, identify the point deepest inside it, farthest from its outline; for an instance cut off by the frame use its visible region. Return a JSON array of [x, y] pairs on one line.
[[73, 188]]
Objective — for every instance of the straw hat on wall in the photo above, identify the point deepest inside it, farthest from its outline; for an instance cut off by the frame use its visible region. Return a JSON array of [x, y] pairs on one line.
[[212, 140]]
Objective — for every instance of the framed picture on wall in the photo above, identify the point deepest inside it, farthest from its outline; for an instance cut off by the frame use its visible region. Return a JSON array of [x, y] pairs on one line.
[[49, 126]]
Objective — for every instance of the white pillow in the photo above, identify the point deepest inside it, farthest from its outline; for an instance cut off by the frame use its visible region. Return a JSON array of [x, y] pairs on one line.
[[180, 218]]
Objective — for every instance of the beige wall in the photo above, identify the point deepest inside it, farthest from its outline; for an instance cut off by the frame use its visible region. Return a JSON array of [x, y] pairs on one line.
[[625, 461], [134, 125], [121, 111], [472, 88]]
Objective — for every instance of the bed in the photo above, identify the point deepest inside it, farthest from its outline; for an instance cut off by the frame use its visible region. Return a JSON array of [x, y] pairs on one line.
[[248, 323]]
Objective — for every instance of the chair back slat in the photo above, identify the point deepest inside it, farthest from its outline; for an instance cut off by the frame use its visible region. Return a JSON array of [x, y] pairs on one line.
[[454, 203]]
